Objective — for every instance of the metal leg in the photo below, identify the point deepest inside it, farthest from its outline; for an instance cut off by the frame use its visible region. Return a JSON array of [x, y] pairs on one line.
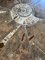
[[26, 33], [7, 38]]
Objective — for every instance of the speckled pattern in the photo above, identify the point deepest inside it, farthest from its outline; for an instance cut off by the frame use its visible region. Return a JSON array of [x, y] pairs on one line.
[[18, 49]]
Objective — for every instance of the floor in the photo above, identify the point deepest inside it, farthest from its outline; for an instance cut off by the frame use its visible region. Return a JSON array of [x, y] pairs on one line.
[[18, 47]]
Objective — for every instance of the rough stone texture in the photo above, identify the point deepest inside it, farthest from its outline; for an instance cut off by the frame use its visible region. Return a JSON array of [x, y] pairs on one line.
[[8, 3], [18, 49]]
